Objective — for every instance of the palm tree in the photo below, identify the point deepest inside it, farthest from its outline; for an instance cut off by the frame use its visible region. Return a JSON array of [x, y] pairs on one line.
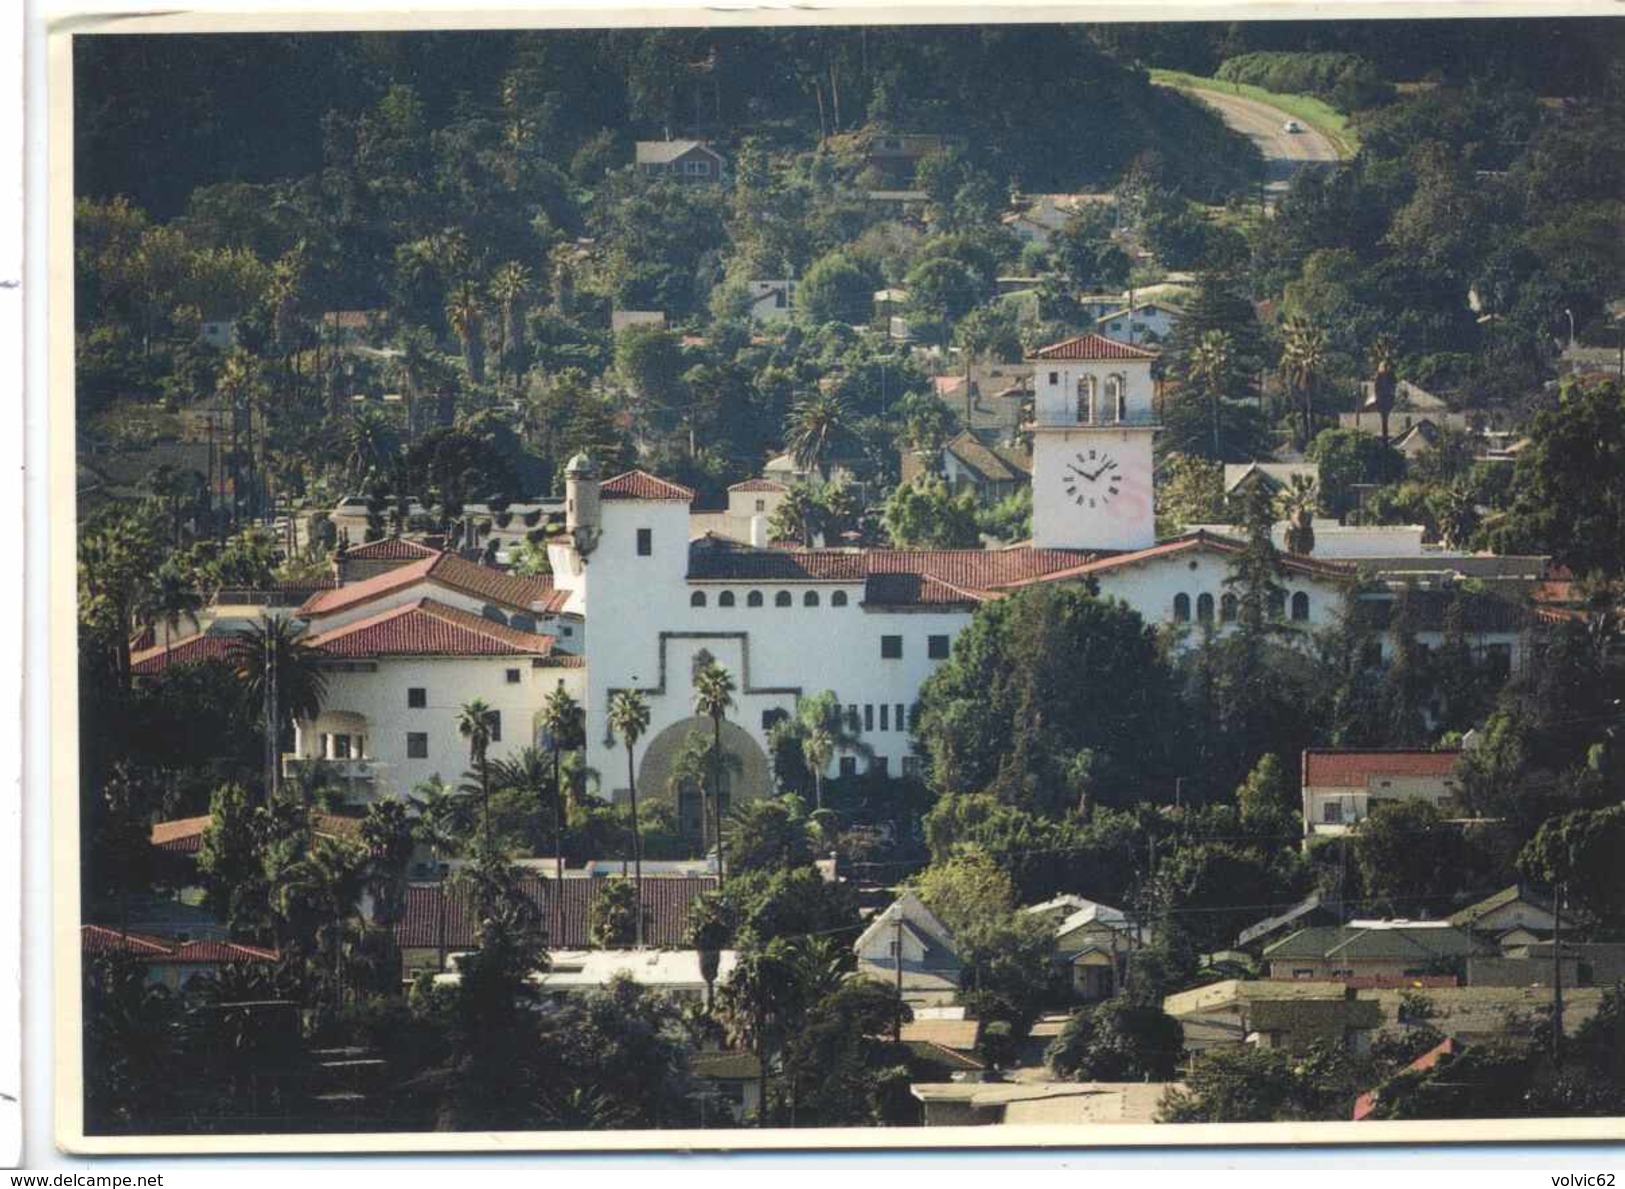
[[1209, 367], [1298, 502], [1303, 359], [441, 824], [753, 1001], [564, 723], [169, 599], [476, 722], [1384, 383], [329, 879], [281, 672], [386, 830], [509, 287], [628, 719], [818, 423], [818, 749], [464, 316], [713, 697], [709, 929], [796, 517], [368, 437]]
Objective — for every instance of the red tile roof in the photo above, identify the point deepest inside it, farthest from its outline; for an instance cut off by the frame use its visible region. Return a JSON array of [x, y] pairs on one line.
[[446, 570], [428, 628], [666, 900], [167, 951], [190, 651], [1354, 769], [891, 577], [641, 485], [1092, 346], [1367, 1102], [1199, 540], [389, 549], [184, 835], [759, 485]]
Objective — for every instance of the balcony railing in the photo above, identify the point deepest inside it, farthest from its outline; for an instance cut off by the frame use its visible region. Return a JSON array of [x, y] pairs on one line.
[[353, 769], [1134, 420]]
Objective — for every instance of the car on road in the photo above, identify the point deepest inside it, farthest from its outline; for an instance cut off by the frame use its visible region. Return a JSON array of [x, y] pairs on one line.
[[1292, 126]]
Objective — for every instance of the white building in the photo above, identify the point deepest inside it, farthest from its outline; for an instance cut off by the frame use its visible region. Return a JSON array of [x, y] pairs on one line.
[[772, 301], [1146, 324], [1340, 788], [751, 505]]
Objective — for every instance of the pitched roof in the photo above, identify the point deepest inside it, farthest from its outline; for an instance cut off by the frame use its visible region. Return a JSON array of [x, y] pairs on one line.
[[441, 569], [891, 577], [993, 466], [1309, 904], [1092, 347], [759, 485], [184, 835], [1421, 942], [428, 628], [388, 549], [1366, 1104], [190, 651], [659, 152], [666, 902], [1508, 895], [922, 922], [1199, 540], [1356, 769], [167, 951], [950, 1034], [641, 485], [1144, 305]]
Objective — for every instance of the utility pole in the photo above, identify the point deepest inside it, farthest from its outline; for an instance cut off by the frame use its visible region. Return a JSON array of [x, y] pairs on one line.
[[271, 743], [897, 961]]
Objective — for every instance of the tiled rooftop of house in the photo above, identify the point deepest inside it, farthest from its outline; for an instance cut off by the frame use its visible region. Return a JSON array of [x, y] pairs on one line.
[[1355, 769], [641, 485], [166, 951], [428, 628], [1092, 347], [442, 569]]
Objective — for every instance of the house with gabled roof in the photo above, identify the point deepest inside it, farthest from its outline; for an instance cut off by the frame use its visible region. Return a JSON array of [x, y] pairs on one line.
[[692, 162], [990, 471], [1376, 953], [1092, 943], [1341, 787], [170, 962], [1147, 324], [907, 936]]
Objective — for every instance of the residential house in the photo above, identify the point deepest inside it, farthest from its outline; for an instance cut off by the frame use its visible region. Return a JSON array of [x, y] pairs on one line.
[[686, 161], [1036, 218], [1242, 477], [1093, 943], [727, 1086], [170, 962], [772, 301], [906, 936], [359, 562], [674, 972], [1340, 788], [895, 154], [1516, 912], [989, 471], [219, 333], [751, 505], [1495, 626], [1376, 953], [439, 918], [1148, 323]]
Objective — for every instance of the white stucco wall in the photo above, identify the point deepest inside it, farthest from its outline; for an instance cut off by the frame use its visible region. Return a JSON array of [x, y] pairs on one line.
[[379, 697], [1151, 587]]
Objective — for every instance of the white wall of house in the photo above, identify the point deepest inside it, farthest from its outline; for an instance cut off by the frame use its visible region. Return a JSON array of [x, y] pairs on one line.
[[370, 703], [772, 301], [1332, 810], [1153, 588], [1146, 325]]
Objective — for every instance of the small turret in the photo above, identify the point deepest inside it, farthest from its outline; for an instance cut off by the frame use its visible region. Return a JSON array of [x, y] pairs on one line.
[[581, 513]]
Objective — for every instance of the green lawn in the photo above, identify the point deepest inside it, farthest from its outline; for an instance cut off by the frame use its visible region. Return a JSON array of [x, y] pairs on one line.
[[1306, 109]]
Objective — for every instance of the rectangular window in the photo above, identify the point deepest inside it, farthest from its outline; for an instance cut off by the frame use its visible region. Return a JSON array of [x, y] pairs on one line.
[[885, 717], [900, 718], [417, 745], [496, 726], [341, 747], [852, 719], [646, 542], [1332, 812], [761, 505], [513, 676], [868, 716], [416, 697], [1055, 377], [891, 648], [849, 765], [936, 647]]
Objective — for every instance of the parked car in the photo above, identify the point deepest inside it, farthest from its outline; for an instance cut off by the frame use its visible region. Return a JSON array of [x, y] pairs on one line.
[[1292, 126]]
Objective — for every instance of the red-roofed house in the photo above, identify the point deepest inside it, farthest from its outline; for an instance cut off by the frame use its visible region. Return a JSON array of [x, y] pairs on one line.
[[1340, 788], [169, 962], [398, 672]]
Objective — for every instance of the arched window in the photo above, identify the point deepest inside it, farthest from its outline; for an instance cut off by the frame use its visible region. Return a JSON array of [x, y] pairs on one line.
[[725, 599], [1086, 400], [1277, 604], [1117, 397], [1227, 608], [753, 599], [697, 599], [1182, 608], [838, 599], [783, 599], [1300, 606], [810, 599], [1204, 608]]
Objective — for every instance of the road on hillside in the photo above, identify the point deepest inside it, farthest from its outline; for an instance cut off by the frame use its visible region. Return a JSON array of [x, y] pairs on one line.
[[1284, 152]]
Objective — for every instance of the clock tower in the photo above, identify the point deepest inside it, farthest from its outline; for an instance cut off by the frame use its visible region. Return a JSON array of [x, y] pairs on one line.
[[1092, 429]]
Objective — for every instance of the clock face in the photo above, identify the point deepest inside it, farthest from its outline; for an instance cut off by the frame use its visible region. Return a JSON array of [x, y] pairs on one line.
[[1092, 478]]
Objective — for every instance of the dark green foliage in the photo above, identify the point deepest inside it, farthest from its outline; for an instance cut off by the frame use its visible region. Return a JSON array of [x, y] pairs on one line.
[[1117, 1041]]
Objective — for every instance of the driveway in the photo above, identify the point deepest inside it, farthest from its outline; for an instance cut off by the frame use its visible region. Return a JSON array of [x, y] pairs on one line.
[[1284, 152]]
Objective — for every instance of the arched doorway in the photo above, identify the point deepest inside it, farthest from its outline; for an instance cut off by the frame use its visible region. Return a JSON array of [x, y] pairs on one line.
[[675, 769]]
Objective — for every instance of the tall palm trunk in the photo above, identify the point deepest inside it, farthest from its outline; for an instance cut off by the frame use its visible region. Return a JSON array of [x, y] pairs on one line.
[[558, 848], [716, 791], [637, 848]]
